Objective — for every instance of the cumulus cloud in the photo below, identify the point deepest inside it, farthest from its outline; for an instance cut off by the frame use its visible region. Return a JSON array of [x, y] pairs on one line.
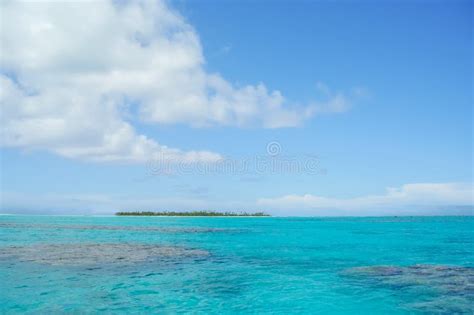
[[70, 71], [413, 199], [66, 125], [75, 74]]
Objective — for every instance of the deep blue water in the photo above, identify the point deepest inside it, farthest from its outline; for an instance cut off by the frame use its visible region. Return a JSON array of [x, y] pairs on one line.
[[387, 265]]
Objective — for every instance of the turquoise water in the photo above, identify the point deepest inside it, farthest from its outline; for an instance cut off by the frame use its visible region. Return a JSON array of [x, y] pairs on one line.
[[384, 265]]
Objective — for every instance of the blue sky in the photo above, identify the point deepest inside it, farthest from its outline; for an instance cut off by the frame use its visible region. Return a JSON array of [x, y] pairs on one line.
[[380, 94]]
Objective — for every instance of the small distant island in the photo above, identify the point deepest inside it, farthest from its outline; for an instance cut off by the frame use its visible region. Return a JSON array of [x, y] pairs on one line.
[[192, 214]]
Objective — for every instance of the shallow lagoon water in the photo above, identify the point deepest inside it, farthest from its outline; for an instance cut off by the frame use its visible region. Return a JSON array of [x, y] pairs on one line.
[[387, 265]]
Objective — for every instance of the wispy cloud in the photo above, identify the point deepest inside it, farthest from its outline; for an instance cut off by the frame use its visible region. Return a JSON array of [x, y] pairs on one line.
[[79, 204]]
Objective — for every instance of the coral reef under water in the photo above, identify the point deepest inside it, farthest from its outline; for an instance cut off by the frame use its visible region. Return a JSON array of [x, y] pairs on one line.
[[450, 288], [96, 253], [118, 228]]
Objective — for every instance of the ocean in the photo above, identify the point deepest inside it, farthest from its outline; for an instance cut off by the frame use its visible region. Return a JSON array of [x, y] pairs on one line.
[[210, 265]]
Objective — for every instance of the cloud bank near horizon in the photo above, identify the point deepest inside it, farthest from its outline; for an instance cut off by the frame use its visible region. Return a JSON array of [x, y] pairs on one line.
[[409, 199], [76, 76]]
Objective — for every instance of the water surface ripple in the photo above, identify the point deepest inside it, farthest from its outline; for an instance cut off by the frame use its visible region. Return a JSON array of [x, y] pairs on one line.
[[61, 264]]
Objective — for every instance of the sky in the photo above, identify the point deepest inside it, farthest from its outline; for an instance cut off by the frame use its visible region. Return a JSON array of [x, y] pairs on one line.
[[315, 108]]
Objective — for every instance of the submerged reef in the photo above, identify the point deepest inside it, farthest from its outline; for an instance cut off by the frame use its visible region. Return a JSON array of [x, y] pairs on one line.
[[97, 253], [447, 289], [172, 230]]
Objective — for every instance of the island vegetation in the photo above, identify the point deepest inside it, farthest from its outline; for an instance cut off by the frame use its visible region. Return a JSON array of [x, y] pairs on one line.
[[192, 214]]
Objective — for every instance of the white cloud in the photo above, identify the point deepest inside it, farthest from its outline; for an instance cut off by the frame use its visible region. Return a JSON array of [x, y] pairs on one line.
[[70, 70], [416, 199], [65, 125]]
